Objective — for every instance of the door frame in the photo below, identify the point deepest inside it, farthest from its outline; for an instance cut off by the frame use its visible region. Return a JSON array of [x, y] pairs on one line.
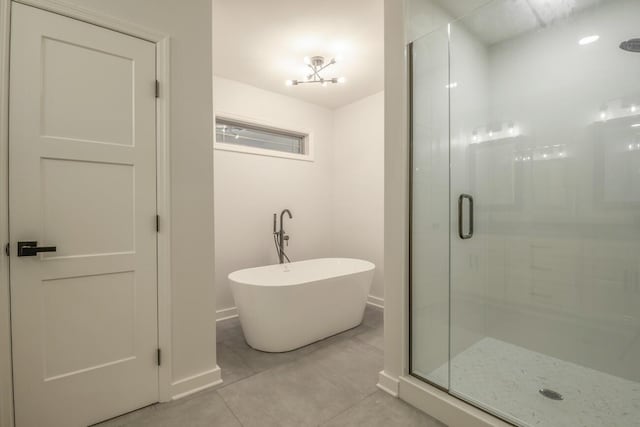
[[162, 43]]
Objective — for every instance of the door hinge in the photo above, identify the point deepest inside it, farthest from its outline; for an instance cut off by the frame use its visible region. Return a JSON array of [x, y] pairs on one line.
[[157, 89], [159, 357], [157, 223], [7, 249]]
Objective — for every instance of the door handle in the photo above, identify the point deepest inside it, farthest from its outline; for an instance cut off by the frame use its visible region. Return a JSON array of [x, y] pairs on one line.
[[461, 233], [32, 248]]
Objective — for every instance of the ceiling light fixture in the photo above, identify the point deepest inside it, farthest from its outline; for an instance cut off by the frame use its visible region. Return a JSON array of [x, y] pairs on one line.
[[317, 64], [588, 40]]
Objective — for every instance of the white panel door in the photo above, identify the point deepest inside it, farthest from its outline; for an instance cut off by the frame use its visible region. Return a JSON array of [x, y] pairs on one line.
[[82, 179]]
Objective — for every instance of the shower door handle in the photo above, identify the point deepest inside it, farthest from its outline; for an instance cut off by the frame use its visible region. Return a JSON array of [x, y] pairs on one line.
[[461, 216]]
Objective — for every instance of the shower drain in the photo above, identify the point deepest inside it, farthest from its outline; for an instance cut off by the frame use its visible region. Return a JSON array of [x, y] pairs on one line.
[[550, 394]]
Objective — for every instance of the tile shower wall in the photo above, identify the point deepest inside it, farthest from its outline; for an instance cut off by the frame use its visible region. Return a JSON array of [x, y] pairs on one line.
[[560, 261]]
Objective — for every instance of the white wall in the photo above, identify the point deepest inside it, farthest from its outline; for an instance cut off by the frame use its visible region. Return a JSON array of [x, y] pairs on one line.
[[336, 200], [250, 188], [396, 200], [358, 184], [6, 383], [192, 238]]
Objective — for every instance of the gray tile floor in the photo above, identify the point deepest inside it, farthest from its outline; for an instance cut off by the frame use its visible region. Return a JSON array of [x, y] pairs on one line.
[[328, 383]]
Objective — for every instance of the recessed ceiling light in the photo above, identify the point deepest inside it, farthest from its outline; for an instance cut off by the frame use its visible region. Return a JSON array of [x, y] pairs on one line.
[[588, 40]]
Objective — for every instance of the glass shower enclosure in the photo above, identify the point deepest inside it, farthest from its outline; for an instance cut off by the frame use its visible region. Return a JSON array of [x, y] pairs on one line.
[[525, 210]]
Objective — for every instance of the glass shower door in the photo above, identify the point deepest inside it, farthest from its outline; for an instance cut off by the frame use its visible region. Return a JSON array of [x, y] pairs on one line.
[[525, 226], [545, 212], [430, 209]]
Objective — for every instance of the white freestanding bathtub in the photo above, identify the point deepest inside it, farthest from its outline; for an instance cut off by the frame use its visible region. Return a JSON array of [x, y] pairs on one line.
[[286, 306]]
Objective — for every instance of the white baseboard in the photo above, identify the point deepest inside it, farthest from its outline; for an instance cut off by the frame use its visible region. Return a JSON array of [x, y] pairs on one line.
[[388, 384], [195, 383], [231, 312], [446, 408], [226, 313], [375, 301]]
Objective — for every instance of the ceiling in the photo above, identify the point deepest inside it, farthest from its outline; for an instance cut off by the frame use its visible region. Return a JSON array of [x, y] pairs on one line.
[[505, 19], [263, 43]]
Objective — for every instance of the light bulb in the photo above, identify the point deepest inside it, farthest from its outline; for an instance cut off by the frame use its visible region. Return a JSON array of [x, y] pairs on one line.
[[324, 84], [342, 79], [237, 136], [289, 83], [635, 125], [633, 108], [307, 60]]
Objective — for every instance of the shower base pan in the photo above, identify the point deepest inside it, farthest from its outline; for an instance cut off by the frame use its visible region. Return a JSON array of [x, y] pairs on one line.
[[508, 379]]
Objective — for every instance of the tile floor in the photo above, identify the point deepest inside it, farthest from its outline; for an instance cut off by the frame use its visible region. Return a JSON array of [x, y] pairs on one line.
[[328, 383]]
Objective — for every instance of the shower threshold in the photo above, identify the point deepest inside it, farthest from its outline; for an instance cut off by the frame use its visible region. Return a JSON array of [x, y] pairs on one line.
[[506, 379]]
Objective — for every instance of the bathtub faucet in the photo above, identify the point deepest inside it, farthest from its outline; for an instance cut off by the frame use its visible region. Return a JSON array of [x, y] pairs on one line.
[[280, 237]]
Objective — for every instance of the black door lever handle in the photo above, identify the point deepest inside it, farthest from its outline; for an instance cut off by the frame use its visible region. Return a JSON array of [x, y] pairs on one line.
[[32, 248]]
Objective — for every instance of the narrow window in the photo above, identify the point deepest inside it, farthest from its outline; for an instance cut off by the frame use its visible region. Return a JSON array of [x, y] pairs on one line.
[[232, 133]]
